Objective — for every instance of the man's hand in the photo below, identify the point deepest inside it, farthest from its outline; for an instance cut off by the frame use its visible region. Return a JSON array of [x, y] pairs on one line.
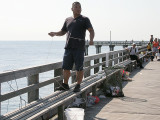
[[60, 33], [91, 43], [52, 34]]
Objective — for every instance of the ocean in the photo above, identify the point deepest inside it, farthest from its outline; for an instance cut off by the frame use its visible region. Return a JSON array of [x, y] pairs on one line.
[[15, 55]]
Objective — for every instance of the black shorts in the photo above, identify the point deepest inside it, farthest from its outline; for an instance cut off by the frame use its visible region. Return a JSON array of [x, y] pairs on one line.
[[73, 56]]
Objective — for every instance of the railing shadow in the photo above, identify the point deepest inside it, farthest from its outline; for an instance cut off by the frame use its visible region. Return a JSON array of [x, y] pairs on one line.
[[97, 108], [3, 118]]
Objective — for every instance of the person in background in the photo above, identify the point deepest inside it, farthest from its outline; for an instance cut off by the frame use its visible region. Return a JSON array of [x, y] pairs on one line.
[[155, 47], [75, 27], [134, 54], [151, 39], [158, 54], [149, 48]]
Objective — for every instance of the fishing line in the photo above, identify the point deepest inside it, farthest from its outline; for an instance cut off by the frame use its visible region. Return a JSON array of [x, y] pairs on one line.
[[48, 53], [12, 89], [52, 40]]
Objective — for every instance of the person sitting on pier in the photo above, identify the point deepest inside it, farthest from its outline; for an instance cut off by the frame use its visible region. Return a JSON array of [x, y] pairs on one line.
[[75, 27], [134, 54]]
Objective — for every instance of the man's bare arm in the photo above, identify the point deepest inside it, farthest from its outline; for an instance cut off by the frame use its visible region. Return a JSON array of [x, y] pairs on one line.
[[91, 31], [60, 33]]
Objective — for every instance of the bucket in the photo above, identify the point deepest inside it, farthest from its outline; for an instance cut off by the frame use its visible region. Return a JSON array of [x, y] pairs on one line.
[[74, 113]]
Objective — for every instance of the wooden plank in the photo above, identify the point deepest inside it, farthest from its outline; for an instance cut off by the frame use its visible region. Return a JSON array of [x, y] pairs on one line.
[[29, 88], [87, 71], [61, 112], [34, 94], [16, 74], [93, 57], [36, 86]]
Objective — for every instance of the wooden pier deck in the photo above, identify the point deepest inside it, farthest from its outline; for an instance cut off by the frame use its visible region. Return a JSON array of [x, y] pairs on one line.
[[141, 101]]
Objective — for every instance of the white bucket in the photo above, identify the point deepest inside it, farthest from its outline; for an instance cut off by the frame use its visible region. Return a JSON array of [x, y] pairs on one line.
[[74, 113]]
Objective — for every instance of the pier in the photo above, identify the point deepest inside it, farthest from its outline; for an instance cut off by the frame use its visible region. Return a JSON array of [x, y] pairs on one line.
[[54, 105], [112, 44]]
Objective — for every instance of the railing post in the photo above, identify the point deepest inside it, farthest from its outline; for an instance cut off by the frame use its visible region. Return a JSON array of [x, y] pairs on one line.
[[0, 102], [61, 112], [119, 75], [111, 47], [88, 72], [124, 46], [98, 48], [103, 66], [33, 95], [120, 55], [97, 68], [110, 60], [107, 59], [116, 61], [74, 76], [84, 96], [94, 88], [58, 72], [86, 50]]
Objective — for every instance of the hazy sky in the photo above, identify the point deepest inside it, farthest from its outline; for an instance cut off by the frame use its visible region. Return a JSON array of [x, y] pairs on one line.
[[33, 19]]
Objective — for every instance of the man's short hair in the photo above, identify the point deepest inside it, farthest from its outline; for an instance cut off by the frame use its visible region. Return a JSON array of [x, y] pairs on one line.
[[76, 3]]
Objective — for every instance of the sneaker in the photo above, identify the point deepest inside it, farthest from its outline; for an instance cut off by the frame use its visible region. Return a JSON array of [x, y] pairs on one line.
[[141, 67], [63, 87], [77, 88]]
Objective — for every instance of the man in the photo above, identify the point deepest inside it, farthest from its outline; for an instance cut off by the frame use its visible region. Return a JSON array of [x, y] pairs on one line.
[[155, 47], [151, 39], [134, 54], [75, 27]]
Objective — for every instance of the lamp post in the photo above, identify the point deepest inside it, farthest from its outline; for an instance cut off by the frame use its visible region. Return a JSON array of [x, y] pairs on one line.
[[111, 46], [110, 37]]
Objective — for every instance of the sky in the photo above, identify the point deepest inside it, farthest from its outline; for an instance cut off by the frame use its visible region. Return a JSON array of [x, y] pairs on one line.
[[34, 19]]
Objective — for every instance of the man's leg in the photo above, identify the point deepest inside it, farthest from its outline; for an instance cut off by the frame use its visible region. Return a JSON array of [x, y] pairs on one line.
[[67, 66], [79, 76], [66, 74], [64, 85], [78, 58]]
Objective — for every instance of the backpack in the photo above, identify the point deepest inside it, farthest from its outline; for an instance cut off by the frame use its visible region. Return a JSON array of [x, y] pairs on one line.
[[114, 91]]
